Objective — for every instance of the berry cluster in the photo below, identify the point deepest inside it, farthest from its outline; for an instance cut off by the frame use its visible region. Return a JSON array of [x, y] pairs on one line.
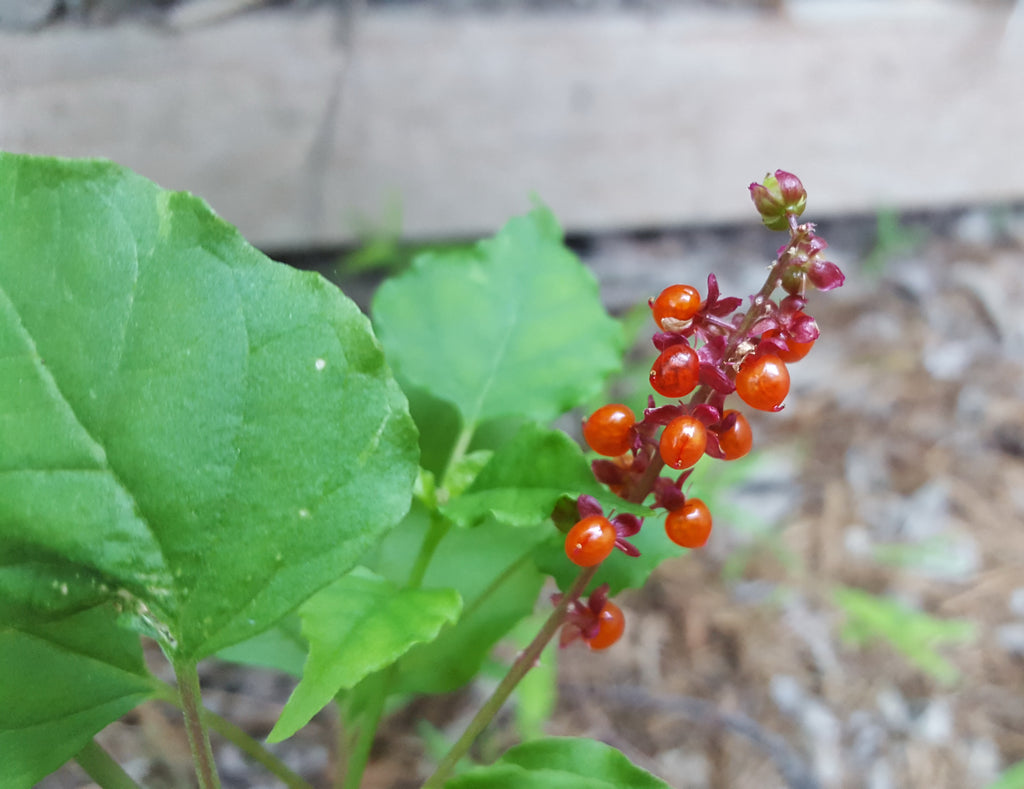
[[708, 350]]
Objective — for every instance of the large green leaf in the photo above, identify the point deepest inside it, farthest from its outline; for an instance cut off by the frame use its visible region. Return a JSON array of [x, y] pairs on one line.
[[559, 763], [525, 479], [357, 625], [60, 683], [187, 429], [512, 326]]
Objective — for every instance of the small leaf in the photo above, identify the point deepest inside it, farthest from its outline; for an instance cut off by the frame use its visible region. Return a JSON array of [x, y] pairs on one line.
[[60, 683], [462, 473], [357, 625], [187, 429], [527, 477], [489, 566], [559, 763], [512, 327]]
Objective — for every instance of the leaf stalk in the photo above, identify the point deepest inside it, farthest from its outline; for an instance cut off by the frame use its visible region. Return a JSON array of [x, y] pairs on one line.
[[198, 738], [101, 767]]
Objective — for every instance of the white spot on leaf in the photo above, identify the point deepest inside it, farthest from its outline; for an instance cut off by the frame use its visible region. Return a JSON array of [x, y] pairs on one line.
[[320, 364]]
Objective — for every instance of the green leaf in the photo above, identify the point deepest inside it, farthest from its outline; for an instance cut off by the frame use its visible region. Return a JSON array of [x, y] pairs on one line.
[[489, 566], [281, 648], [465, 470], [526, 478], [357, 625], [912, 633], [438, 424], [188, 429], [60, 683], [454, 658], [559, 763], [513, 326]]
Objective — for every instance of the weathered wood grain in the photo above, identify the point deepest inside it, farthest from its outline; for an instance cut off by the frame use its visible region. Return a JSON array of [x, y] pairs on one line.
[[302, 134]]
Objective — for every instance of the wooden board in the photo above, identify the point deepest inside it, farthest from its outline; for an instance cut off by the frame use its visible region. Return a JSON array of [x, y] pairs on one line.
[[303, 134]]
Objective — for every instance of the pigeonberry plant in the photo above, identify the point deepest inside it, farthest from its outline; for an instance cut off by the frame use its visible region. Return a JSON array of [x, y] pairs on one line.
[[211, 453]]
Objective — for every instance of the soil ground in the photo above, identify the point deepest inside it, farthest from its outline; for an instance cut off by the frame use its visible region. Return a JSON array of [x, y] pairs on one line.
[[897, 469]]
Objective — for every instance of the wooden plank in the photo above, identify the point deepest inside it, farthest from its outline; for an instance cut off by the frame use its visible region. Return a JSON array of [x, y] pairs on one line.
[[616, 120]]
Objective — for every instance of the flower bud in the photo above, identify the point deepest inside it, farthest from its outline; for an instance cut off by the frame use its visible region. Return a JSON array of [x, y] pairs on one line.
[[776, 197], [825, 275], [792, 190], [794, 280]]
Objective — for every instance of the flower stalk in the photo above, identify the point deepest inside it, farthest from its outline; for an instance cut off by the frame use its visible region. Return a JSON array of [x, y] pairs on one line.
[[738, 353]]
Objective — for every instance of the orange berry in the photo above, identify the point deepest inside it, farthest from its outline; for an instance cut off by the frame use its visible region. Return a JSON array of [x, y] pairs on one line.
[[611, 623], [690, 525], [590, 541], [675, 303], [683, 442], [608, 430], [763, 382], [738, 439]]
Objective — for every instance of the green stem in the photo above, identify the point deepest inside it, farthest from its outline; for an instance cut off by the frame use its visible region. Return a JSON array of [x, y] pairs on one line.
[[101, 767], [359, 756], [343, 747], [240, 739], [439, 526], [459, 450], [198, 738], [254, 750], [519, 669]]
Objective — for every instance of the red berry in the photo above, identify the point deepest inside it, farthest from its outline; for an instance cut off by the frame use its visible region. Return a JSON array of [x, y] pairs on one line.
[[608, 431], [610, 624], [676, 371], [763, 382], [736, 441], [678, 303], [683, 442], [690, 525], [590, 541]]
